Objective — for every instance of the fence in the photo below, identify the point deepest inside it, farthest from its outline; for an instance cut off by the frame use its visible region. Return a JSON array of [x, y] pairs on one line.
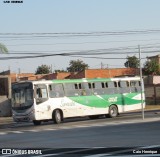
[[152, 94]]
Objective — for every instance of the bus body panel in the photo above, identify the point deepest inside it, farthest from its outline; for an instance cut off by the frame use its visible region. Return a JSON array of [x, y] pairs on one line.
[[97, 102]]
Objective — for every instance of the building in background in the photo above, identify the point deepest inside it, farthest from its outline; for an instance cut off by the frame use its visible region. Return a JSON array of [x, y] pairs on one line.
[[154, 58], [89, 73]]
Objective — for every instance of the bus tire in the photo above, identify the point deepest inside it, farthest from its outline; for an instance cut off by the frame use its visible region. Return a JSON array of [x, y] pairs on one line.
[[57, 116], [36, 122], [94, 117], [113, 111]]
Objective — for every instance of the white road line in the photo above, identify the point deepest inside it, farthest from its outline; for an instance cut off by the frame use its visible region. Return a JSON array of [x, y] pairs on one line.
[[49, 129], [3, 133], [66, 127], [147, 147], [97, 155], [33, 130], [138, 155], [16, 132], [47, 155], [83, 126]]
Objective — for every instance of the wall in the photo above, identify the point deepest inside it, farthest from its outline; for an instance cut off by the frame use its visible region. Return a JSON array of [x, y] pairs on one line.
[[5, 107], [77, 75], [152, 80], [5, 96]]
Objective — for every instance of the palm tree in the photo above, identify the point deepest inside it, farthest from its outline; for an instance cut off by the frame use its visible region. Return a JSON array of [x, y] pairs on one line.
[[3, 48]]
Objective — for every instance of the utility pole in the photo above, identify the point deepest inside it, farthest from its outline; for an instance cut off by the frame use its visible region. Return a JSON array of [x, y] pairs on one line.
[[108, 71], [101, 65], [19, 70], [141, 79], [51, 68]]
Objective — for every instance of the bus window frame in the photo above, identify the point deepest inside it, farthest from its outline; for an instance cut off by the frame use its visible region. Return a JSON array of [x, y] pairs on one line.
[[58, 93], [40, 100]]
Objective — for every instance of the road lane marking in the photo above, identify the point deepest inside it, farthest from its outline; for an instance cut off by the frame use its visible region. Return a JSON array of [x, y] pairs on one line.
[[49, 129], [46, 155], [3, 133], [147, 147], [32, 130], [97, 155], [83, 126], [16, 132]]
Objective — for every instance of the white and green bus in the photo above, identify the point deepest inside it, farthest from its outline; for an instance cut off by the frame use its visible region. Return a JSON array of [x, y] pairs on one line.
[[55, 100]]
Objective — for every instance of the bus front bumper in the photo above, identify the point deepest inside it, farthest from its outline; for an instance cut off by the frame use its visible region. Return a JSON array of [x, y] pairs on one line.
[[22, 117]]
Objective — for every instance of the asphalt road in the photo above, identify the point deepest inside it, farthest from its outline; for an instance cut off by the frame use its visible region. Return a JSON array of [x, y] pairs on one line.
[[126, 133]]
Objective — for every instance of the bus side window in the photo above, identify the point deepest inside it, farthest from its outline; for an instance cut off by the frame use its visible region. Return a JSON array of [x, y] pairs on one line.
[[111, 87], [124, 87], [38, 93], [41, 93], [115, 84], [78, 85], [106, 84], [99, 88], [91, 85], [135, 86], [103, 85], [56, 90], [71, 89], [86, 89], [112, 84]]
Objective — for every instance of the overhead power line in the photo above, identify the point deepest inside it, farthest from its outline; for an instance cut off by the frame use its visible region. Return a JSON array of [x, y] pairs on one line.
[[87, 42], [76, 54], [77, 34], [118, 50], [87, 33]]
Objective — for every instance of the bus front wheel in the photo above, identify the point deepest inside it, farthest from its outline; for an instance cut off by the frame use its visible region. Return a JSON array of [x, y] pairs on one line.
[[113, 111], [36, 122], [57, 117], [94, 117]]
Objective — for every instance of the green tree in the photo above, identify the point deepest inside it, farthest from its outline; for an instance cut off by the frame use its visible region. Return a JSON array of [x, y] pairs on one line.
[[151, 67], [58, 71], [76, 66], [3, 48], [43, 69], [132, 62]]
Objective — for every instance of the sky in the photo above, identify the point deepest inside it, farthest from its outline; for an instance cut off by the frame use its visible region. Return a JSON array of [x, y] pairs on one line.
[[98, 17]]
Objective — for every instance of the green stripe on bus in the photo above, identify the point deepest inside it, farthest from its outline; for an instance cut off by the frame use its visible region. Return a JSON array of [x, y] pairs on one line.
[[103, 101], [81, 80]]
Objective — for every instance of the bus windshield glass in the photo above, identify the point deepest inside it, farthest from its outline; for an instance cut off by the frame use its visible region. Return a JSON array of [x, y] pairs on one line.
[[22, 95]]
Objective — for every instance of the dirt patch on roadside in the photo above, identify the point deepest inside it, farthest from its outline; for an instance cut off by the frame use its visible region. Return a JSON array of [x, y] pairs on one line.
[[152, 107]]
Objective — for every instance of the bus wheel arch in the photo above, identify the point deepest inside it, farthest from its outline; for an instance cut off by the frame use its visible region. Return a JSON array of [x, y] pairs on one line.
[[57, 116], [113, 111]]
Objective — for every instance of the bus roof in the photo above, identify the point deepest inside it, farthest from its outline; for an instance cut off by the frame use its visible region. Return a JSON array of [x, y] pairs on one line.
[[83, 80]]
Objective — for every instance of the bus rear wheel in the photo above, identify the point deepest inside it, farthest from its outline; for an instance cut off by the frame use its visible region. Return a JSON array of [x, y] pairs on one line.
[[36, 122], [113, 111], [57, 116]]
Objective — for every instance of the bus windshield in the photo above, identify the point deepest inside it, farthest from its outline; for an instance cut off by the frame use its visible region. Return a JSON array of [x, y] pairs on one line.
[[22, 96]]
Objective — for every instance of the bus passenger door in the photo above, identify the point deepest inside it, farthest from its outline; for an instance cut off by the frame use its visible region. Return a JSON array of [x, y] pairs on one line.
[[42, 104]]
